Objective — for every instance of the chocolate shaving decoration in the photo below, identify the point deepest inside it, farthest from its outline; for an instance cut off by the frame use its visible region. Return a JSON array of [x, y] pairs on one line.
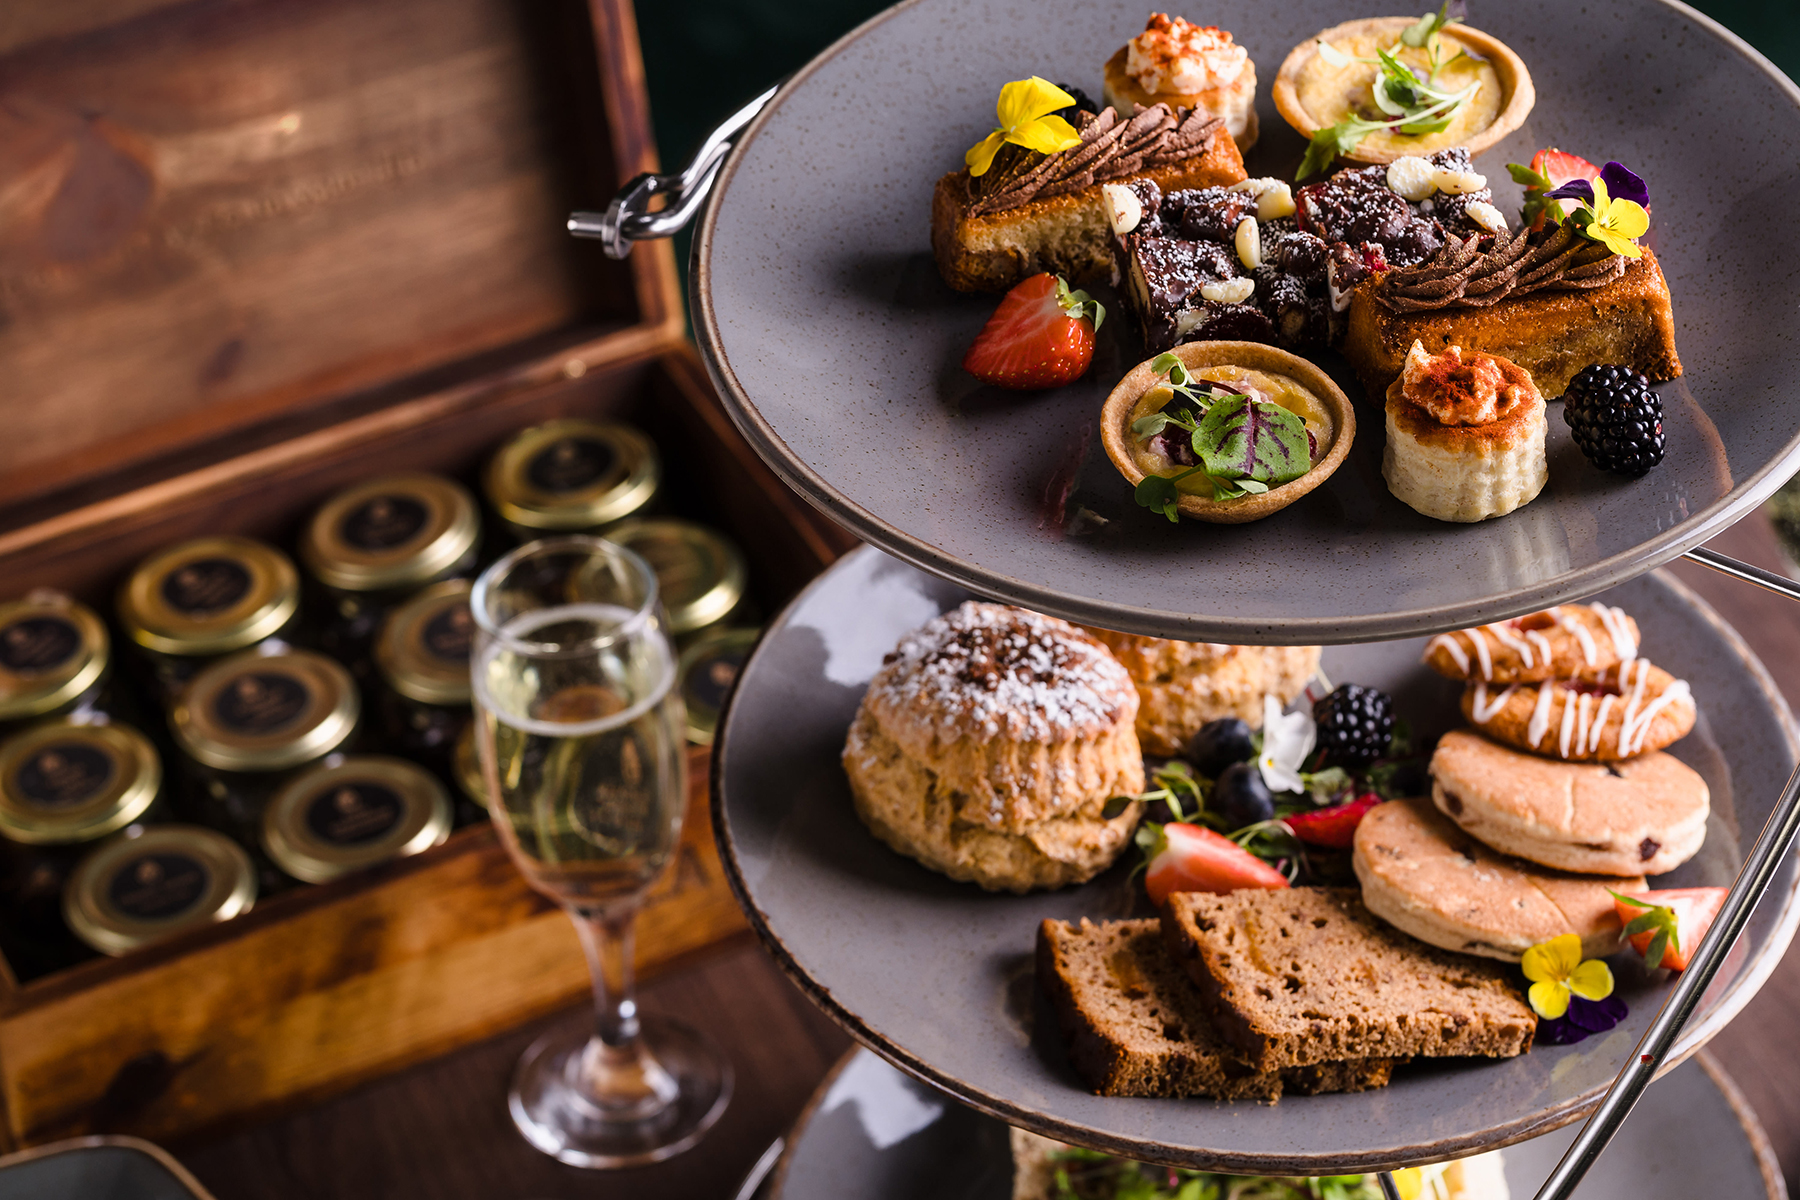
[[1462, 275], [1112, 147]]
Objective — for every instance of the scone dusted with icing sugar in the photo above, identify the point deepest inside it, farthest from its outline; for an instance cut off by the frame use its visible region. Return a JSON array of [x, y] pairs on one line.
[[1465, 435], [989, 745], [1184, 65]]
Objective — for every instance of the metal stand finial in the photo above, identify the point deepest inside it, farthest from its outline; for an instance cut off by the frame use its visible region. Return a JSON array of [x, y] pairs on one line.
[[628, 218]]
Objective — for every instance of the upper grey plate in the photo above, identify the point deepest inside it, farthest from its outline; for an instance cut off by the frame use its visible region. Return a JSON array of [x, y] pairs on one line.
[[873, 1133], [837, 347], [937, 975]]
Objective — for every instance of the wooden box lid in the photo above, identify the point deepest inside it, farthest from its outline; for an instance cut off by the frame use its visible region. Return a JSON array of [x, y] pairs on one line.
[[224, 224]]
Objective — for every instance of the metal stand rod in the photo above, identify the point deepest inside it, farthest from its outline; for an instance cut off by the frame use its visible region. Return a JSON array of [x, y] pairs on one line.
[[1772, 846], [1781, 585]]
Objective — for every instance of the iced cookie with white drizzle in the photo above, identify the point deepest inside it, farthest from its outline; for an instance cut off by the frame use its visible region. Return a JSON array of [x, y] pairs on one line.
[[1557, 643], [1621, 712]]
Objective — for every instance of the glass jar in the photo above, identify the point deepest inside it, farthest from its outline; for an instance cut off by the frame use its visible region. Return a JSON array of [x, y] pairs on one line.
[[166, 880], [354, 813], [423, 658], [700, 575], [571, 476], [251, 723], [54, 654], [371, 545], [193, 604], [63, 787], [706, 672]]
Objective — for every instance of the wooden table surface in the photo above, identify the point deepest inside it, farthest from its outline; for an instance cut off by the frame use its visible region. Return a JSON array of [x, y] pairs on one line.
[[440, 1131]]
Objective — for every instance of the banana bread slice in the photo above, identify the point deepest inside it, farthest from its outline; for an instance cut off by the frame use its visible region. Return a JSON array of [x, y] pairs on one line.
[[1134, 1025], [1308, 975]]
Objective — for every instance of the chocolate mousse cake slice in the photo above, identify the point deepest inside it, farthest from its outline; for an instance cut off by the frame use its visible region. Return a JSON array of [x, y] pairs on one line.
[[1032, 212], [1135, 1027], [1295, 976]]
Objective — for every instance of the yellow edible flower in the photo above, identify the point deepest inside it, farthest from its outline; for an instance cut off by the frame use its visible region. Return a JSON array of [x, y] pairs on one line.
[[1616, 223], [1026, 111], [1409, 1182], [1555, 970]]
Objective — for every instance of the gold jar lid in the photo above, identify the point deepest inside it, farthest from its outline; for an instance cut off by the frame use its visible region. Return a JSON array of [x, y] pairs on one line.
[[52, 649], [166, 880], [465, 764], [708, 669], [394, 532], [353, 814], [572, 474], [209, 596], [423, 650], [62, 783], [266, 712], [699, 575]]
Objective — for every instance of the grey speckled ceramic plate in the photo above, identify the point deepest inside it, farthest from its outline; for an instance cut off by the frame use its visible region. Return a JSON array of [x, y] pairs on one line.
[[937, 975], [837, 347], [876, 1134]]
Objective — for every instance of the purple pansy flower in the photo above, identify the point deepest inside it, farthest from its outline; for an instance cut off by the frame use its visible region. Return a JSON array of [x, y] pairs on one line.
[[1621, 184], [1584, 1018]]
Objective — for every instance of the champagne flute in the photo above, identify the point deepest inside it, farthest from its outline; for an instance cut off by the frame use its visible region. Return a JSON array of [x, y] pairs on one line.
[[580, 730]]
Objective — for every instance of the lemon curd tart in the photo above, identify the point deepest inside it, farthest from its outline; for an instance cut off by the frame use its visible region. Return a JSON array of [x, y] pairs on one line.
[[1317, 88]]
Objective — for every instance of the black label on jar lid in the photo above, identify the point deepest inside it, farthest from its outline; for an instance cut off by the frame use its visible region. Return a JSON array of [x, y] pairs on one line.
[[570, 463], [449, 635], [710, 678], [64, 774], [33, 645], [153, 886], [351, 813], [205, 586], [261, 703], [383, 522]]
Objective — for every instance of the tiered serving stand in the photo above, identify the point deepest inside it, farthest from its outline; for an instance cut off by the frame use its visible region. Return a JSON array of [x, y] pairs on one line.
[[836, 349]]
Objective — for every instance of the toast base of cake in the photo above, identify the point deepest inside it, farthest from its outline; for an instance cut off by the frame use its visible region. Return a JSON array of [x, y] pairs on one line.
[[1551, 334], [1065, 235]]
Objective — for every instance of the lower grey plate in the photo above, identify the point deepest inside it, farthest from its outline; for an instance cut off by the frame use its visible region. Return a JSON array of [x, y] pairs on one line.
[[877, 1134], [937, 975], [97, 1168]]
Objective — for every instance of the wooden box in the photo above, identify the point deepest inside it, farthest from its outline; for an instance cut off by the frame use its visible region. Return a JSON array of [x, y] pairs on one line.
[[252, 252]]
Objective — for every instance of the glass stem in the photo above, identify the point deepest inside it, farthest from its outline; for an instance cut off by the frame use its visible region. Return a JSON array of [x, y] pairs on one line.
[[617, 1073], [607, 935]]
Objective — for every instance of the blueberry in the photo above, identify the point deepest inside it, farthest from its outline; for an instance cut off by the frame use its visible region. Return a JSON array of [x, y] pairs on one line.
[[1218, 744], [1241, 796]]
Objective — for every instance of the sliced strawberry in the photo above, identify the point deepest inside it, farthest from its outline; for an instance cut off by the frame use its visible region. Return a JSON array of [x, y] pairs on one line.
[[1192, 858], [1694, 910], [1041, 336], [1559, 168], [1335, 826]]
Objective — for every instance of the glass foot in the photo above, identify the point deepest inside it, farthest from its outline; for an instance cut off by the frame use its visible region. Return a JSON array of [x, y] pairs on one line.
[[560, 1119]]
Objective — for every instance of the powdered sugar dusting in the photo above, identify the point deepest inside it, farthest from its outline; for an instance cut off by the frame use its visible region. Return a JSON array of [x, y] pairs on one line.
[[989, 670]]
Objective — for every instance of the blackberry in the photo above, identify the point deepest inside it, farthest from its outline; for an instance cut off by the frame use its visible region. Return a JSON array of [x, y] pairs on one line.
[[1356, 723], [1616, 419], [1082, 104]]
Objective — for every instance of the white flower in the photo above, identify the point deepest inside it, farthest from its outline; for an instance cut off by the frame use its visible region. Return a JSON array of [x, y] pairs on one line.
[[1287, 740]]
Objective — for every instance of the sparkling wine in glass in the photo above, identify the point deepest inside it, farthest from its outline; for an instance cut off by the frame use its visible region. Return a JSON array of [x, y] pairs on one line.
[[581, 735]]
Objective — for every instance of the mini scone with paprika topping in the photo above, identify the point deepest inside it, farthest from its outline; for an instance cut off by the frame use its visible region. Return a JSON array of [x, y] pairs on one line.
[[1465, 435], [1184, 65]]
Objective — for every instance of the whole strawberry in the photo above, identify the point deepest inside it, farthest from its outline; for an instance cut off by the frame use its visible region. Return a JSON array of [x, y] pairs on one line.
[[1041, 336]]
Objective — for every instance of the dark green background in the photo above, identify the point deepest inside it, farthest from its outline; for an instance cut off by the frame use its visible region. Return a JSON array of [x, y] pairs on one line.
[[705, 58]]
